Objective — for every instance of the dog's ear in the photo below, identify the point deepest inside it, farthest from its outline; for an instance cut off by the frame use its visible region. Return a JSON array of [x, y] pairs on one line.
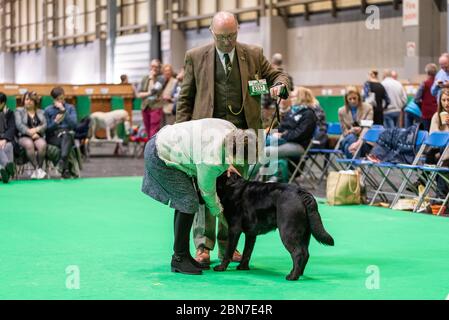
[[234, 178]]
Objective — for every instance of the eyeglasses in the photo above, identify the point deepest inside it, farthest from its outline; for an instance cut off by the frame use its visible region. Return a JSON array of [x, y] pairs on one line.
[[223, 38]]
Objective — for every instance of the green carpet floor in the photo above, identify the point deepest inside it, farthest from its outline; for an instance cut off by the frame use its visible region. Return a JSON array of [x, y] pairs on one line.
[[121, 241]]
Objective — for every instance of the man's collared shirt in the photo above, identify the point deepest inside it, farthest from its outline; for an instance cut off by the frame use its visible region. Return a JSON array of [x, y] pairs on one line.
[[222, 58]]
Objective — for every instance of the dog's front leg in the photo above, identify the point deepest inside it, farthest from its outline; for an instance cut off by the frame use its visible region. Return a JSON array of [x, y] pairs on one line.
[[108, 133], [250, 241], [94, 129], [233, 239]]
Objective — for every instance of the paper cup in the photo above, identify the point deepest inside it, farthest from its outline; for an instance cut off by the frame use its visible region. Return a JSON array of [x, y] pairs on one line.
[[444, 117]]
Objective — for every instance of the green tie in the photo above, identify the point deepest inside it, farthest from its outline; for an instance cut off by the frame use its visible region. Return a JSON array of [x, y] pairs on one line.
[[228, 63]]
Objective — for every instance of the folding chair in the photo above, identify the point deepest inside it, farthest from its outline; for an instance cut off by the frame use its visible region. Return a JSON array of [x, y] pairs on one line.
[[385, 169], [435, 140], [328, 155], [299, 167], [371, 136]]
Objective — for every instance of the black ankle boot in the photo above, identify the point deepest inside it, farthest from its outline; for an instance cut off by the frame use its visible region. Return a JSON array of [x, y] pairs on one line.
[[183, 264], [11, 169], [4, 175], [182, 261]]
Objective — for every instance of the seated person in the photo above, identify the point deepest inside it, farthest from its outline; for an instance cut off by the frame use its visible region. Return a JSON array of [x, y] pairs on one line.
[[350, 117], [31, 126], [440, 123], [7, 134], [295, 131], [61, 123], [297, 127], [321, 132]]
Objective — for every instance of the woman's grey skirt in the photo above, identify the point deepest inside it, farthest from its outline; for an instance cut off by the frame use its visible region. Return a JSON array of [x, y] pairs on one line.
[[168, 185]]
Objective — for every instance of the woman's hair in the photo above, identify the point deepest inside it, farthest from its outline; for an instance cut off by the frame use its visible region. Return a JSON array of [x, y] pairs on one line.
[[352, 90], [303, 96], [431, 69], [374, 73], [3, 98], [167, 66], [33, 97], [444, 92]]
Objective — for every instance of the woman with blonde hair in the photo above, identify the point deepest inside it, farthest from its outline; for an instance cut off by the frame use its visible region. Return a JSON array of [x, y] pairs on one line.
[[306, 97], [295, 131], [350, 117]]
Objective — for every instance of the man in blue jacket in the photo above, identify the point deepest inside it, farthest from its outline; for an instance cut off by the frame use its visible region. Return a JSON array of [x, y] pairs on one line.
[[61, 123]]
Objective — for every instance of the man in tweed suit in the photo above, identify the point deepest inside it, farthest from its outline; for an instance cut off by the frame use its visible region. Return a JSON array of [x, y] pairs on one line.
[[216, 85]]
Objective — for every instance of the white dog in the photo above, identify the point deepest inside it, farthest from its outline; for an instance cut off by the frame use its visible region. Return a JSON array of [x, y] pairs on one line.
[[109, 121]]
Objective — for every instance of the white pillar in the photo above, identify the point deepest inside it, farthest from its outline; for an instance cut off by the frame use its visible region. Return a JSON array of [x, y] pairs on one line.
[[7, 73], [173, 47]]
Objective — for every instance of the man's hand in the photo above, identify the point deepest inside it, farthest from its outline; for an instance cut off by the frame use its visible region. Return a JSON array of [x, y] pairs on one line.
[[143, 95], [2, 144], [167, 98], [232, 170], [59, 105], [59, 118], [278, 91]]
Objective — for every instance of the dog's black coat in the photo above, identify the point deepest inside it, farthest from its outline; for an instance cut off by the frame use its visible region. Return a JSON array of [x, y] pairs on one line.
[[256, 208]]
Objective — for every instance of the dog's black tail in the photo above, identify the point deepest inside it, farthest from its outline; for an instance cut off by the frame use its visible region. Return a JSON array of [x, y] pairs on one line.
[[316, 225]]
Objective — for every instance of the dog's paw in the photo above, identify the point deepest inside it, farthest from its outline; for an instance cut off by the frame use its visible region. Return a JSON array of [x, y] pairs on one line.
[[220, 268], [292, 277], [243, 267]]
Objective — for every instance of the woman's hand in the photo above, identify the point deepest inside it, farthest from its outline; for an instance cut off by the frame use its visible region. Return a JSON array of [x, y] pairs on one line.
[[32, 132], [277, 135], [356, 130], [36, 136], [353, 148], [232, 170]]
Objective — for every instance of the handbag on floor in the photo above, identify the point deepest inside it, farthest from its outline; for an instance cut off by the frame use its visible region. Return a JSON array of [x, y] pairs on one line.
[[344, 187]]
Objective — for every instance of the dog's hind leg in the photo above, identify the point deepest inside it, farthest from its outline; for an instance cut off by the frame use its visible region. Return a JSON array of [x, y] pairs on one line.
[[298, 248], [233, 239], [299, 255], [250, 241]]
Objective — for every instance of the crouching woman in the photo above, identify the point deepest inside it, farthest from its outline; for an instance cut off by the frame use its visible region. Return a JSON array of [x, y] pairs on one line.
[[182, 164]]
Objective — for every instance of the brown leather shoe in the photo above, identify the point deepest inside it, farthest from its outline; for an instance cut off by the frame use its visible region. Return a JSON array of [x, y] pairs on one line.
[[236, 257], [203, 256]]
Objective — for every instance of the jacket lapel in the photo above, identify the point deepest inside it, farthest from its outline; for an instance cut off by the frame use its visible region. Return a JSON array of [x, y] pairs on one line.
[[210, 72], [243, 66]]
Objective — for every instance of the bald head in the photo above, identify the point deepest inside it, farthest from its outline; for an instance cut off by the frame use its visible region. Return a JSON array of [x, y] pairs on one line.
[[224, 20], [394, 74], [444, 62], [387, 73], [225, 28]]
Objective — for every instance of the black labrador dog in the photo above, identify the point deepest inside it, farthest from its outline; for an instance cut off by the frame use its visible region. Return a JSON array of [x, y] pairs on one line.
[[256, 208]]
